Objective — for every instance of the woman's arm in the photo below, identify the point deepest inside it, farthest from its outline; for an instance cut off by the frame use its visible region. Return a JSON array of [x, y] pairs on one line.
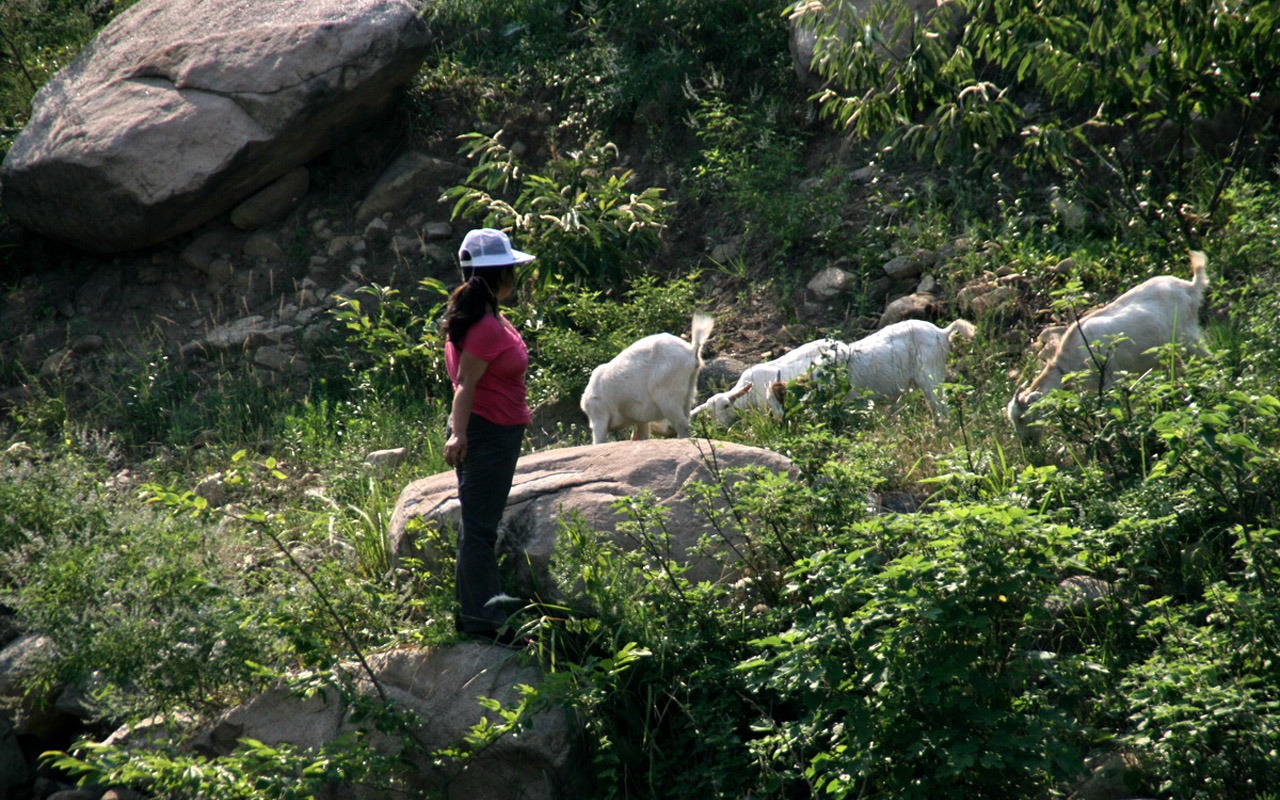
[[470, 370]]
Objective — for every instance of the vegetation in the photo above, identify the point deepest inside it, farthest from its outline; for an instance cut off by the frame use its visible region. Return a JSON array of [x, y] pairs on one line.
[[925, 653]]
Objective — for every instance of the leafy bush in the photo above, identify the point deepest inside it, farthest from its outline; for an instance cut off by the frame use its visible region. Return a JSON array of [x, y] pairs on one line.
[[37, 38], [912, 668], [139, 603], [1065, 82], [608, 63], [580, 217], [748, 166], [1203, 715], [398, 349]]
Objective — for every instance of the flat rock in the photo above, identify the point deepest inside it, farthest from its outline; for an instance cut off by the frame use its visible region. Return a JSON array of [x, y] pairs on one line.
[[584, 482]]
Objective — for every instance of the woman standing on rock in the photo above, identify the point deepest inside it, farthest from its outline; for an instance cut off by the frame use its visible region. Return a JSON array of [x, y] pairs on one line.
[[486, 360]]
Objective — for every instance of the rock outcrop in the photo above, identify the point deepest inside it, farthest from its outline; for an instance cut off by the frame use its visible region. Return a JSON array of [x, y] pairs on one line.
[[441, 687], [584, 482], [179, 110]]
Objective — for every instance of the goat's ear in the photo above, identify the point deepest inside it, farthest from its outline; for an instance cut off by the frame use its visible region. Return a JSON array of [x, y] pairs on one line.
[[746, 387]]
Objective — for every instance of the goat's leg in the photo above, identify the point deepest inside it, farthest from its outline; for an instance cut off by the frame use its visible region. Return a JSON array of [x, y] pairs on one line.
[[676, 413], [932, 391]]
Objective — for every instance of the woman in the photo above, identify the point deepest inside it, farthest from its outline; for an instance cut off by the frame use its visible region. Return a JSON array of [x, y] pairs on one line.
[[486, 360]]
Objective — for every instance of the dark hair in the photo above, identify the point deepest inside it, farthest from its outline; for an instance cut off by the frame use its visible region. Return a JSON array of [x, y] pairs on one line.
[[471, 301]]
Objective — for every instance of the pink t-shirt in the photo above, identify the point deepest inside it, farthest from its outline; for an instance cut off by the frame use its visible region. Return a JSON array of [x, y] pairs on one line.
[[500, 393]]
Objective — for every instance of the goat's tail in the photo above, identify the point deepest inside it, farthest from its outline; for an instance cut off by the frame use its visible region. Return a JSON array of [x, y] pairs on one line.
[[702, 325], [960, 327], [1199, 273]]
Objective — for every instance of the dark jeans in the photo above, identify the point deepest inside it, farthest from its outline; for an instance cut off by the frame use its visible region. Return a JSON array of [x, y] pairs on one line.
[[484, 481]]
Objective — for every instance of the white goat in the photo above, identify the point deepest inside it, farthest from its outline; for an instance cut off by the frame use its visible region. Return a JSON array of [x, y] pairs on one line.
[[890, 361], [653, 379], [1119, 337], [752, 388]]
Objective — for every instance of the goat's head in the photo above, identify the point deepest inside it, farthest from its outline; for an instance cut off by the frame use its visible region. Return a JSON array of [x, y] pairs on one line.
[[1024, 417], [720, 406]]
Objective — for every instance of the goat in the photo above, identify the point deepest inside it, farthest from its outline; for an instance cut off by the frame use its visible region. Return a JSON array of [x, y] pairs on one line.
[[1118, 337], [890, 361], [653, 379], [752, 387]]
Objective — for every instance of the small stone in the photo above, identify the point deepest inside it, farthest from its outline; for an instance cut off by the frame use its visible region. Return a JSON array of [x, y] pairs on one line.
[[866, 174], [213, 489], [89, 343], [1078, 594], [727, 250], [913, 306], [203, 250], [220, 271], [263, 245], [340, 244], [828, 284], [437, 254], [377, 231], [386, 459], [433, 231], [272, 201], [273, 358], [55, 364], [406, 246]]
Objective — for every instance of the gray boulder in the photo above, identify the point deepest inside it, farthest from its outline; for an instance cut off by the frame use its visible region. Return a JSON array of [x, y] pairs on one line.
[[180, 109], [441, 687], [557, 485], [917, 305], [33, 714], [412, 172]]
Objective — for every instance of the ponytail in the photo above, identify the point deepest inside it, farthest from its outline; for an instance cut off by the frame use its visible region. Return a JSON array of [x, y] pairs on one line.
[[468, 304]]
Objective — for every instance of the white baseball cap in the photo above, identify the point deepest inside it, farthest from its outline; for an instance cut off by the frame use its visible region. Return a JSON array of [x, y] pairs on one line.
[[489, 247]]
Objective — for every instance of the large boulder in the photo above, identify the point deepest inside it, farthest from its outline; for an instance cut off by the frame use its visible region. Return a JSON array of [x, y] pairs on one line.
[[584, 482], [181, 109], [33, 713], [441, 686]]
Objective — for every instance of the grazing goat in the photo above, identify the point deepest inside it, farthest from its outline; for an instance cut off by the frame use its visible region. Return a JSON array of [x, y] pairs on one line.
[[1118, 337], [890, 361], [752, 388], [653, 379]]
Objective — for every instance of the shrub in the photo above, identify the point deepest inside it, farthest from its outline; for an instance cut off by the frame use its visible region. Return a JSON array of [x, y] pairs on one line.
[[610, 64], [37, 38], [580, 217], [912, 670], [1203, 717], [1064, 82]]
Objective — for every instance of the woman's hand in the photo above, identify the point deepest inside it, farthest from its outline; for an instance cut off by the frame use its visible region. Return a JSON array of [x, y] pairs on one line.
[[455, 450]]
